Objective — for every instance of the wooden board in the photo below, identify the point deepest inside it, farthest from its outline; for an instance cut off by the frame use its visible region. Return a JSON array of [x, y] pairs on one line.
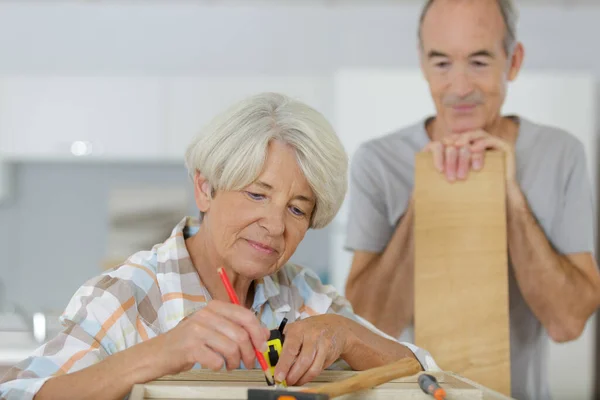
[[461, 271], [203, 384]]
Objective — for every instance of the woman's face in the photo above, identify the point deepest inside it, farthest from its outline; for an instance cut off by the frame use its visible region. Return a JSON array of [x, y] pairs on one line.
[[256, 230]]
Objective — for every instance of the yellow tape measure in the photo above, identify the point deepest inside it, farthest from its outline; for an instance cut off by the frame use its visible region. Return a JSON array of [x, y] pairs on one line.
[[274, 346]]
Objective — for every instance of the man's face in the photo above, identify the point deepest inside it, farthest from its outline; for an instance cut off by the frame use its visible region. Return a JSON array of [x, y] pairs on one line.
[[463, 59]]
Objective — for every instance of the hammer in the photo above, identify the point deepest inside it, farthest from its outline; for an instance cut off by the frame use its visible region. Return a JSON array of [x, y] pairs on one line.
[[362, 380]]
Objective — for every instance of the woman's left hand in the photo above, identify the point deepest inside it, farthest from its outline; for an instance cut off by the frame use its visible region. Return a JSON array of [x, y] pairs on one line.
[[310, 346]]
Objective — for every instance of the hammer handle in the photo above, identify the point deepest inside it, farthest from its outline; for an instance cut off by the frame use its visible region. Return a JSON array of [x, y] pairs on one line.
[[369, 378]]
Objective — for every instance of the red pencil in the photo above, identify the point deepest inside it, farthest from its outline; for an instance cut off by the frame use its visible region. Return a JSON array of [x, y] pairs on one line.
[[234, 299]]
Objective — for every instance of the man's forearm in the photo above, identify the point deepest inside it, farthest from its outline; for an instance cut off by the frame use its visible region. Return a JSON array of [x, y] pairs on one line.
[[366, 349], [558, 293], [112, 378], [388, 280]]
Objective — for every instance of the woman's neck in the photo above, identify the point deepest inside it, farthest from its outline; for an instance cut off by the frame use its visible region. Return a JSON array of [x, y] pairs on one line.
[[206, 261]]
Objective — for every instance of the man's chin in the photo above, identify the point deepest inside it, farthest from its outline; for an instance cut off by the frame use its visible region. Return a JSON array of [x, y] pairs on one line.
[[460, 127]]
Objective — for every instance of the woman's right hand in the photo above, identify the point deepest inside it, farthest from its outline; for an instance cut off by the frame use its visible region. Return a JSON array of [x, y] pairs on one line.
[[219, 333]]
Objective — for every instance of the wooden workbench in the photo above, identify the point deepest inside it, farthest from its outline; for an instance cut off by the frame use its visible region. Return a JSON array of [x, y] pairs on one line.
[[204, 384]]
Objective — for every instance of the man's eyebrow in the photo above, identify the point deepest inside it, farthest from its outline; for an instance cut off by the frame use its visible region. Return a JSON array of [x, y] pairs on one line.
[[435, 53], [483, 53]]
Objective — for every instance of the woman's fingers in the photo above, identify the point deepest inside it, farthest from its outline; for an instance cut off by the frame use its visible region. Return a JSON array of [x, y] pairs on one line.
[[243, 317], [234, 332], [304, 360], [289, 352], [318, 365], [205, 343], [208, 358]]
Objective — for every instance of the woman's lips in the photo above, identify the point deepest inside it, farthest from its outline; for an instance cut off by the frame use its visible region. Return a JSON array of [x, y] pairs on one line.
[[261, 247]]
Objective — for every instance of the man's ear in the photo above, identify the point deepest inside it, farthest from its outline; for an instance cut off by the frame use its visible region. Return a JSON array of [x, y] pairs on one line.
[[202, 192], [516, 61]]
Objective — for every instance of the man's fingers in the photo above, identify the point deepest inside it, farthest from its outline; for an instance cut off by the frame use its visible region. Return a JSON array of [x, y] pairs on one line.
[[477, 160], [451, 139], [464, 162], [438, 156], [469, 137], [451, 156], [289, 352], [437, 149], [489, 142]]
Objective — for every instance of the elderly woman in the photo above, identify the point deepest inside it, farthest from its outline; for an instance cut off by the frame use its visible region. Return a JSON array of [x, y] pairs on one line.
[[264, 172]]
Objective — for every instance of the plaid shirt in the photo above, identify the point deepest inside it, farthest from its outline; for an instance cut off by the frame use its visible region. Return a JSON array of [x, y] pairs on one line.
[[149, 295]]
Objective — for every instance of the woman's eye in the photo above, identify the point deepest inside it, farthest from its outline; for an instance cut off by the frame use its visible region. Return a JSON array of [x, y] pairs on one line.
[[255, 196], [297, 211]]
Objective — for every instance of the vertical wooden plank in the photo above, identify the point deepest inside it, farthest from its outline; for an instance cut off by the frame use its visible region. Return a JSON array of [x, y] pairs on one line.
[[461, 271]]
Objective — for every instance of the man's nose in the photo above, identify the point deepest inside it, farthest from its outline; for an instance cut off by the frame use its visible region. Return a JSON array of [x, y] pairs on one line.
[[461, 84]]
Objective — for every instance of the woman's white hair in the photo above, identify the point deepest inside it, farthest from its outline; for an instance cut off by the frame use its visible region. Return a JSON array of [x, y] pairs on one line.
[[231, 150]]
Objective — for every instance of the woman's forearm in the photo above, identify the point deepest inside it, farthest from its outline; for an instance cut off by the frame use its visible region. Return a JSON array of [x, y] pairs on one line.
[[111, 378], [365, 349]]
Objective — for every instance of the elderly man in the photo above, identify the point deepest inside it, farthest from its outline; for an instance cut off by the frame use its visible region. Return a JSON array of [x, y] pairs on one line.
[[264, 172], [468, 53]]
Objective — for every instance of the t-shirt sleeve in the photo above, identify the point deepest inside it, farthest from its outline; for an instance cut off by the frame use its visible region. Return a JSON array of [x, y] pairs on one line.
[[574, 230], [368, 227]]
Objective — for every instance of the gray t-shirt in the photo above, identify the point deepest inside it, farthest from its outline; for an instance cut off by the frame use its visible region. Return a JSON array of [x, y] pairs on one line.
[[552, 173]]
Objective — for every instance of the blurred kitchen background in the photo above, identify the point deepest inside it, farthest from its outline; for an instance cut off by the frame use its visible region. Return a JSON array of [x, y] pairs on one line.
[[98, 100]]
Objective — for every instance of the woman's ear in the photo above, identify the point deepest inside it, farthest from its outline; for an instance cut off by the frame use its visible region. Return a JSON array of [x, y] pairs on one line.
[[202, 192]]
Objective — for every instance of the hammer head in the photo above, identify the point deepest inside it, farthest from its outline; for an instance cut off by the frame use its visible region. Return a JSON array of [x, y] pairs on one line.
[[261, 394]]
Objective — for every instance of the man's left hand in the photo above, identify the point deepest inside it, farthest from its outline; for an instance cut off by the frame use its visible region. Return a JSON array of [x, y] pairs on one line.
[[310, 346], [456, 154]]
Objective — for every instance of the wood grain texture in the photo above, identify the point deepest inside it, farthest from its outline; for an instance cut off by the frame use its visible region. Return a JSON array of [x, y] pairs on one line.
[[257, 376], [370, 378], [461, 271], [202, 387]]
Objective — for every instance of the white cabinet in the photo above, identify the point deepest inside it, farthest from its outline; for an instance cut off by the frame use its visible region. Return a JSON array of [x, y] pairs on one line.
[[128, 118], [193, 101], [98, 117]]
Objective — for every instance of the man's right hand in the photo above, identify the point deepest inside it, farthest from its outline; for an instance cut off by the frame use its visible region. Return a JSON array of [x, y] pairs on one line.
[[219, 333], [456, 154], [452, 160]]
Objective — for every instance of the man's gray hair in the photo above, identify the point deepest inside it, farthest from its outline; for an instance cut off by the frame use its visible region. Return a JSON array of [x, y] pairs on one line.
[[231, 150], [510, 16]]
